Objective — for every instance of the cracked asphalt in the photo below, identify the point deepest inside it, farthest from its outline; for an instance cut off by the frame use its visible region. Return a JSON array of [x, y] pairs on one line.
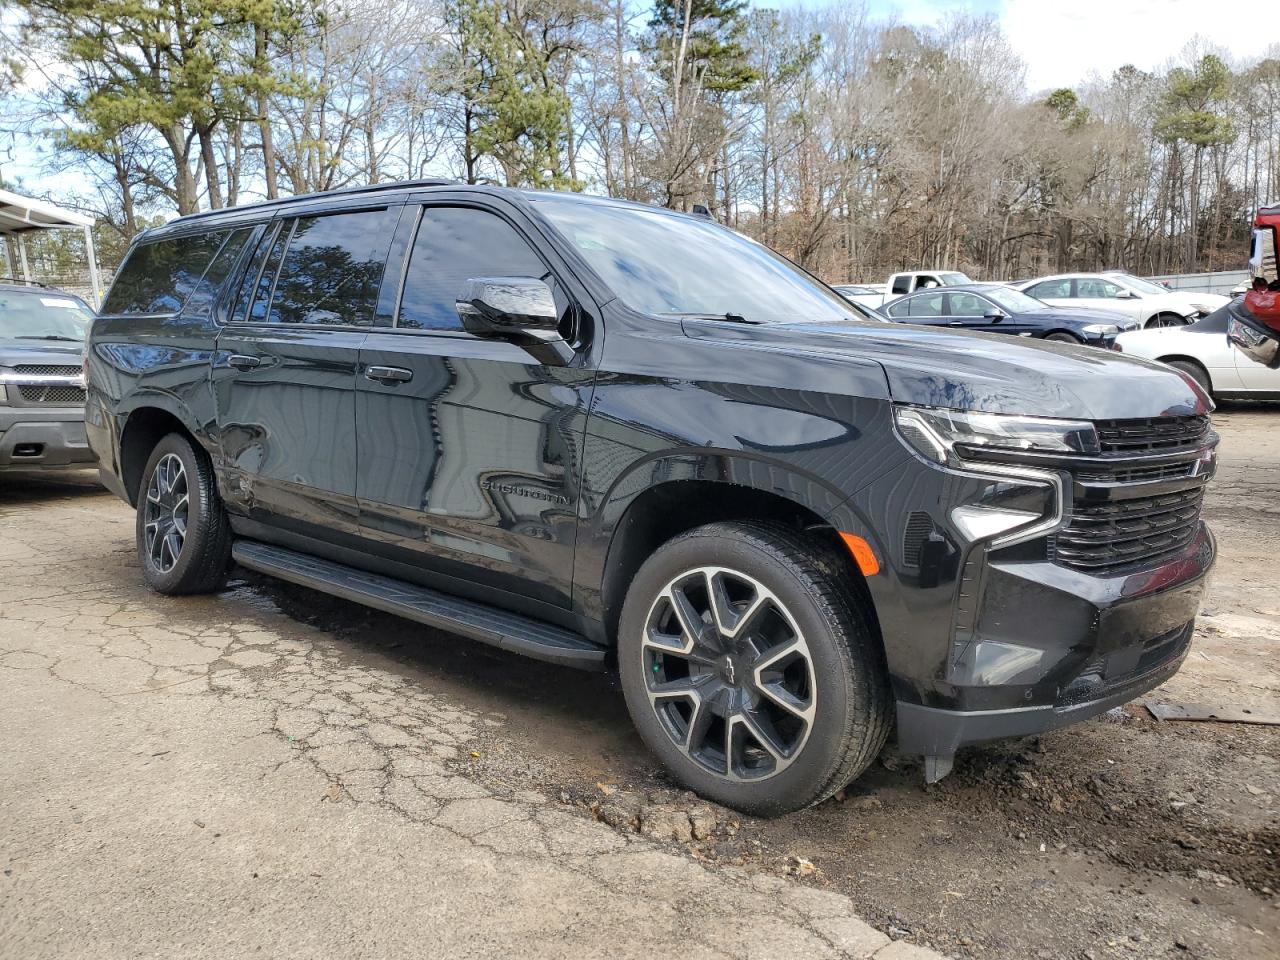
[[213, 777]]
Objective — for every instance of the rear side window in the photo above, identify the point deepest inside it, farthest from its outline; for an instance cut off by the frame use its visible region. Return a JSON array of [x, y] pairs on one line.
[[201, 302], [158, 277], [926, 305], [1051, 289], [453, 245], [332, 269]]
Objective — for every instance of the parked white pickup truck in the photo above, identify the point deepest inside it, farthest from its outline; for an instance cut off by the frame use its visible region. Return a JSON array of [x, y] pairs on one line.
[[899, 285]]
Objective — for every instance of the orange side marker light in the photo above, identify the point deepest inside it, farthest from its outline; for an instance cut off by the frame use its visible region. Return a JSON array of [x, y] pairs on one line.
[[863, 555]]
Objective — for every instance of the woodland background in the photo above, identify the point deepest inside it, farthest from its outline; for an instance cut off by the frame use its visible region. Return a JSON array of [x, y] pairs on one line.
[[853, 145]]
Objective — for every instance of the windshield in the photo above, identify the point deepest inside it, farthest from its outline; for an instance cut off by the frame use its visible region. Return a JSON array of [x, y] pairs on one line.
[[1142, 286], [1262, 259], [954, 279], [1014, 300], [42, 315], [659, 263]]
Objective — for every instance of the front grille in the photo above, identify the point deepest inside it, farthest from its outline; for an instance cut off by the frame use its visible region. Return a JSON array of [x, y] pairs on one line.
[[1151, 433], [1138, 474], [1117, 533], [47, 370], [55, 396]]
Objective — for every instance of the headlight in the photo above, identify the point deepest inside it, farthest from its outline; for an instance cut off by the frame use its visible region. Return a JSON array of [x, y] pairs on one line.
[[1101, 329], [1203, 307], [946, 436]]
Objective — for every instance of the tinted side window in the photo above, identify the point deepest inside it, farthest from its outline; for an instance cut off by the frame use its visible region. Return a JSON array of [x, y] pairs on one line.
[[901, 284], [453, 245], [158, 277], [966, 305], [332, 269], [266, 279], [201, 302], [1095, 289], [899, 308], [1051, 289], [926, 305]]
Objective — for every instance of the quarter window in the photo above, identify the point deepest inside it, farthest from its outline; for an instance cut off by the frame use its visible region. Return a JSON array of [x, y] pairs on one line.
[[453, 245], [158, 277]]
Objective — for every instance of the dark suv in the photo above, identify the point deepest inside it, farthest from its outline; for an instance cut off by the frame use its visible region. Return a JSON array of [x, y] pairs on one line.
[[600, 433]]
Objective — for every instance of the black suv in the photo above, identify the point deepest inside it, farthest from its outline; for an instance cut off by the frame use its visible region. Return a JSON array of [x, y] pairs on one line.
[[602, 433]]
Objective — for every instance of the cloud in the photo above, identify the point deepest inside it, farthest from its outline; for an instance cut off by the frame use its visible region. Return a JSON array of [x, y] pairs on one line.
[[1063, 41]]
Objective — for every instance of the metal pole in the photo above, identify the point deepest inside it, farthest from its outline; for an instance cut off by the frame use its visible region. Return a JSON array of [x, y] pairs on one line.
[[22, 255], [8, 257], [93, 266]]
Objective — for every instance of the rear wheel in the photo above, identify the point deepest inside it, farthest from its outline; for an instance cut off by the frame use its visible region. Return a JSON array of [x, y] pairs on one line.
[[1196, 372], [751, 668], [184, 538]]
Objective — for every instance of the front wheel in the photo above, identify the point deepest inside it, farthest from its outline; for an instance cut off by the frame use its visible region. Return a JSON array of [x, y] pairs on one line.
[[184, 538], [1062, 337], [751, 667], [1166, 320]]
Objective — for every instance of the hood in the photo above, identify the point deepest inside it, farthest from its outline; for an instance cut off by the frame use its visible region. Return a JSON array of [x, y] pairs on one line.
[[993, 373], [52, 352]]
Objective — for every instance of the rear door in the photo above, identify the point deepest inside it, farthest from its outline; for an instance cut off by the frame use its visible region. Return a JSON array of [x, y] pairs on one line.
[[928, 309], [470, 448], [285, 369]]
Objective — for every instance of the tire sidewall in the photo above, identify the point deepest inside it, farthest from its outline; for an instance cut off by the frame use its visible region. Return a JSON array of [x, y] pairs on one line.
[[795, 786], [198, 519]]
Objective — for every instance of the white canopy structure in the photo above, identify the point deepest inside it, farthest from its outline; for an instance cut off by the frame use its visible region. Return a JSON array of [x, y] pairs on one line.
[[20, 215]]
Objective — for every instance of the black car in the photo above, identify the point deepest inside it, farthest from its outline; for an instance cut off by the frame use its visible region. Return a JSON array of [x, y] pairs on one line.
[[42, 332], [614, 436], [996, 308]]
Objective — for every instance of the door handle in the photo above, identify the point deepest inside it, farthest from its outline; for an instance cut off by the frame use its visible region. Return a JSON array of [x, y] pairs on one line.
[[956, 323], [388, 374], [242, 362]]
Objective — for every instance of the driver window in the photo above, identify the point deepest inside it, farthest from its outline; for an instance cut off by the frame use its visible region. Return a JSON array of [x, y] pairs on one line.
[[1095, 289], [966, 305], [454, 244]]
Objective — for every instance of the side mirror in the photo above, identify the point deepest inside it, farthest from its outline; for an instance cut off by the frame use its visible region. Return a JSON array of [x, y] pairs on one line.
[[994, 315], [509, 307], [1126, 295]]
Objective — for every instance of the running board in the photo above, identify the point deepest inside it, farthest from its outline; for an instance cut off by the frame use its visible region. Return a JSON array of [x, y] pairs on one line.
[[500, 628]]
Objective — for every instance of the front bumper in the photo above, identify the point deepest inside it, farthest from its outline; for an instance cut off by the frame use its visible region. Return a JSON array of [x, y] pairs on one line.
[[1052, 646], [33, 438]]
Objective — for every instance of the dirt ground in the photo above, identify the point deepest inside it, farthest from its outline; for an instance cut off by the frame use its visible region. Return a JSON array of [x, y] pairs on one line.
[[1120, 837]]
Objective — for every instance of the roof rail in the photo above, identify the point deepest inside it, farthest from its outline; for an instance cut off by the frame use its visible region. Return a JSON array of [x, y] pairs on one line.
[[340, 191]]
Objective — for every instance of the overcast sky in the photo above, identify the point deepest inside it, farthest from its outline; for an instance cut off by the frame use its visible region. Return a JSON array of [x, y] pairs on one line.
[[1062, 41]]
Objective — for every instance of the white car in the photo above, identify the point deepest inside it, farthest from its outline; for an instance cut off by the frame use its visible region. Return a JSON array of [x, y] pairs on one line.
[[1203, 352], [1149, 303]]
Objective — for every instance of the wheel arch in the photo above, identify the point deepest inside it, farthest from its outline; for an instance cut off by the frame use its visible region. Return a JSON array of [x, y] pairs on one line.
[[145, 426], [663, 511]]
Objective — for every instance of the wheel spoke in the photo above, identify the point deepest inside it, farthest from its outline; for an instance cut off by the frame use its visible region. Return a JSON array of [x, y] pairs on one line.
[[731, 619], [691, 622]]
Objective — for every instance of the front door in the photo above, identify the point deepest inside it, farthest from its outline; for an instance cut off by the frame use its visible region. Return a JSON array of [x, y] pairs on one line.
[[469, 448], [284, 373]]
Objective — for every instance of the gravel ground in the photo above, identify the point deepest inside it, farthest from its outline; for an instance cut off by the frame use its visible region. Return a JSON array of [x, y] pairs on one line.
[[1120, 837]]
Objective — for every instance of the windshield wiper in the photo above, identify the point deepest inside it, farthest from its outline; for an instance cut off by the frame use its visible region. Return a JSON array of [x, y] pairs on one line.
[[49, 336], [726, 317]]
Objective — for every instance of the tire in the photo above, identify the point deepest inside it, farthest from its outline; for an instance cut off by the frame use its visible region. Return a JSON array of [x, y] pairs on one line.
[[1062, 337], [793, 587], [1196, 372], [183, 535], [1165, 320]]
